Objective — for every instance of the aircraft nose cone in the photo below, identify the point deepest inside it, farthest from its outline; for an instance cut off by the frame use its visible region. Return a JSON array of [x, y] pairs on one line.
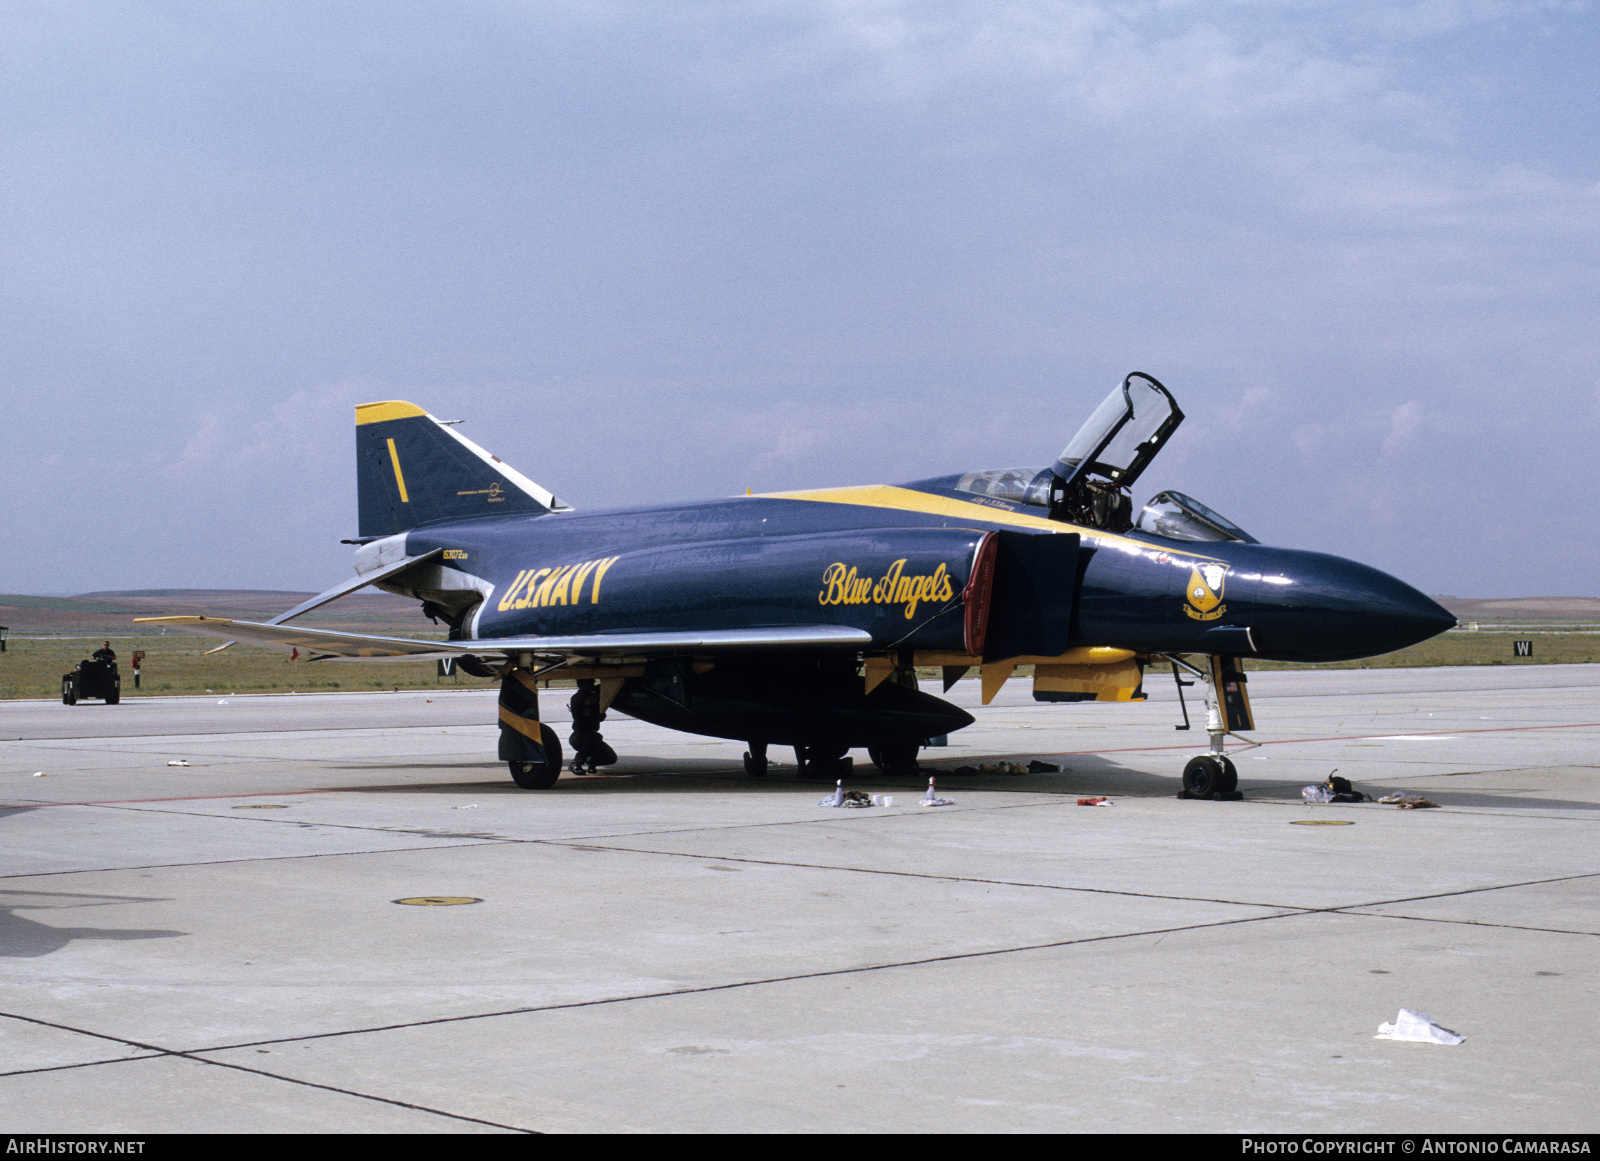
[[1315, 607]]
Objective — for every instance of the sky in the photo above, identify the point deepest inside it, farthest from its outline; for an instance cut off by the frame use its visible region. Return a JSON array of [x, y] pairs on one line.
[[654, 252]]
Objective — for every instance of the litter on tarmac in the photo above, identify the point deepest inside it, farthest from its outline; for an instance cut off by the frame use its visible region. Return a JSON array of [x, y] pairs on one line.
[[997, 768], [847, 798], [1408, 801], [933, 799], [178, 762], [1099, 800], [1416, 1028]]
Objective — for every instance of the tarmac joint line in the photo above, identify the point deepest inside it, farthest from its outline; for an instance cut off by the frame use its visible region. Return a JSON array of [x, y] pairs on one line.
[[154, 1051]]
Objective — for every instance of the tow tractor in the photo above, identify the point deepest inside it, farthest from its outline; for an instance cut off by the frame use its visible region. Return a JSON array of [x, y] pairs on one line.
[[91, 678]]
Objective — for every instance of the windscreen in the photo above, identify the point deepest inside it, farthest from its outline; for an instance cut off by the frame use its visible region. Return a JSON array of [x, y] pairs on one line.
[[1179, 517]]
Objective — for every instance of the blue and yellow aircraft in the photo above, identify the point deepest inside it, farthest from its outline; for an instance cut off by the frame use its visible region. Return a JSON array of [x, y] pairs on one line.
[[800, 618]]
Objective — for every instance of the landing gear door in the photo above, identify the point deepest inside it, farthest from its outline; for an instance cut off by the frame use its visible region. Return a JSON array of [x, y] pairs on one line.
[[1232, 694], [1122, 436]]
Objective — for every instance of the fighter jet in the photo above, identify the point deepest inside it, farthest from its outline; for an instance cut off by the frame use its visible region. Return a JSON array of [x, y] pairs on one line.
[[800, 618]]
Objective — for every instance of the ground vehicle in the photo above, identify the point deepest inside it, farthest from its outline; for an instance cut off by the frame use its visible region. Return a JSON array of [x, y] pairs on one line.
[[92, 679]]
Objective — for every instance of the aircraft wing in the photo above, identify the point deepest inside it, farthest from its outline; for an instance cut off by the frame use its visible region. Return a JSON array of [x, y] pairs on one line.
[[330, 643]]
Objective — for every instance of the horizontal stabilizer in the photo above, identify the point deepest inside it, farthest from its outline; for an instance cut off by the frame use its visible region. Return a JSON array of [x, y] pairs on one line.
[[342, 589], [361, 645]]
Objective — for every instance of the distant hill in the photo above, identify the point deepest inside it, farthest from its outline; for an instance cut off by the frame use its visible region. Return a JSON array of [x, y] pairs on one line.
[[1523, 610], [113, 612]]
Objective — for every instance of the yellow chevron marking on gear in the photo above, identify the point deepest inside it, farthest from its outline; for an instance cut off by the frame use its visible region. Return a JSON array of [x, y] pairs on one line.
[[527, 727], [394, 458], [382, 412]]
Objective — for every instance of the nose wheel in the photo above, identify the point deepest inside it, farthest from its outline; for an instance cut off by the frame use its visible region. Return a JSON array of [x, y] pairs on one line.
[[1210, 776]]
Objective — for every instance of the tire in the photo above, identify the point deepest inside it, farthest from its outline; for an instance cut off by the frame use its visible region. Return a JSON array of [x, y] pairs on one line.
[[819, 761], [69, 695], [753, 766], [115, 695], [895, 759], [1208, 774], [1230, 777], [539, 775]]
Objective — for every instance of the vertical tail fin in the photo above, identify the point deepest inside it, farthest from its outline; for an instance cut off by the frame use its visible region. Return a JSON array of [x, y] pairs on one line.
[[412, 469]]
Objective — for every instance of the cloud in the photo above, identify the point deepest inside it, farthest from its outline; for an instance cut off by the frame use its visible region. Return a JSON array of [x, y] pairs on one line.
[[654, 252], [1404, 422]]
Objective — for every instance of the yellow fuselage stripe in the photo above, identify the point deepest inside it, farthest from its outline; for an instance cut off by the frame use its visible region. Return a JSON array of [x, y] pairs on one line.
[[394, 458], [908, 500]]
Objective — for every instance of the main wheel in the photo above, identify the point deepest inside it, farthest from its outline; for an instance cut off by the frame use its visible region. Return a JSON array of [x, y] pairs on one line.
[[819, 761], [755, 765], [1209, 774], [539, 775], [896, 759]]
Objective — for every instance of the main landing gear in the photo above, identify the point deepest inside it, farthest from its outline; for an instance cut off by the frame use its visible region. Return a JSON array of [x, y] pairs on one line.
[[896, 759], [829, 761], [822, 761], [528, 747]]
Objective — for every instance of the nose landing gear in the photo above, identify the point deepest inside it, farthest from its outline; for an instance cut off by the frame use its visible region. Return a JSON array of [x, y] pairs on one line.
[[1212, 774]]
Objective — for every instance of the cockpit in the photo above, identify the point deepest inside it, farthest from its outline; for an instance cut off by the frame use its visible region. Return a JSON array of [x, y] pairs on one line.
[[1088, 484], [1179, 517], [1017, 485]]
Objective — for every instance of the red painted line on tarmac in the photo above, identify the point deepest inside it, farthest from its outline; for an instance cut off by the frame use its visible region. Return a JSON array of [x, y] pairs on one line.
[[1442, 736]]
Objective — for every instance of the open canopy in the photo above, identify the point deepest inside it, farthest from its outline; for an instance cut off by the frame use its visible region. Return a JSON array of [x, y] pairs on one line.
[[1123, 435]]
